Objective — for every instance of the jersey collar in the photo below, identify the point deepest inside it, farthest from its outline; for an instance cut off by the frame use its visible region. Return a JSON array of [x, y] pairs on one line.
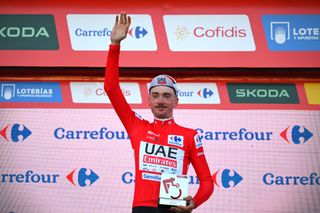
[[165, 121]]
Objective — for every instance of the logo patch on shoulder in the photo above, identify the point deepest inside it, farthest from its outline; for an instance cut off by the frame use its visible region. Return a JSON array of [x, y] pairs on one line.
[[197, 141], [176, 140], [138, 116]]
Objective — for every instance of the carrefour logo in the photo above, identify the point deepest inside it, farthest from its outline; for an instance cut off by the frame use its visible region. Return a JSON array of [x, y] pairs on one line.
[[205, 93], [78, 177], [82, 177], [281, 180], [227, 178], [296, 134], [29, 177], [102, 134], [176, 140], [292, 32], [137, 32], [239, 135], [198, 93], [89, 32], [15, 132]]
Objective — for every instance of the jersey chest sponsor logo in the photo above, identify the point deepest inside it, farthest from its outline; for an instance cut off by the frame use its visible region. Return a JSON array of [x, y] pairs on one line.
[[159, 158], [176, 140]]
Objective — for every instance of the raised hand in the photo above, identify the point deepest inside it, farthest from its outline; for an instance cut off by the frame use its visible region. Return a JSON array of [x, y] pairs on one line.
[[120, 28]]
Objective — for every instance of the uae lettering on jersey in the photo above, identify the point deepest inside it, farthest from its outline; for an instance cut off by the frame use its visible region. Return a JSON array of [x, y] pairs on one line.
[[159, 158]]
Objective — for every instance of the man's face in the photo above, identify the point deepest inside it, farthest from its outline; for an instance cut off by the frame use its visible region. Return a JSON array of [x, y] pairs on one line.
[[162, 100]]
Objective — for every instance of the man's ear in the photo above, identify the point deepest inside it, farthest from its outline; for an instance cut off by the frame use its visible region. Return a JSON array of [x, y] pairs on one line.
[[149, 100], [177, 100]]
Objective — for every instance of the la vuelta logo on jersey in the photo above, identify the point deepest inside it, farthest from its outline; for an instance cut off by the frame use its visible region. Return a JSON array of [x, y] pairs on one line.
[[158, 158]]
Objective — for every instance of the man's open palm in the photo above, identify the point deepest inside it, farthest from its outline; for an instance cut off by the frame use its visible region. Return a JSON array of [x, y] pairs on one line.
[[120, 28]]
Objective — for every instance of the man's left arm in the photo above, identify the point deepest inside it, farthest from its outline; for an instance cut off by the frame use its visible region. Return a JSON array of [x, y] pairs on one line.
[[200, 165]]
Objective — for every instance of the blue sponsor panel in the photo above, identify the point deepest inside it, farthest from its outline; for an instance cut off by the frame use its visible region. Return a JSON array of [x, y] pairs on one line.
[[30, 92], [292, 32]]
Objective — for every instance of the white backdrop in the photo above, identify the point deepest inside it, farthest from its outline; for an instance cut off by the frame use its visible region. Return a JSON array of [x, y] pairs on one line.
[[267, 172]]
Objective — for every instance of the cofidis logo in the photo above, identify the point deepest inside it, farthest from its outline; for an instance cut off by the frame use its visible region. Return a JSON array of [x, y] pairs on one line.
[[15, 132], [30, 92], [292, 32], [209, 33], [90, 32], [93, 92]]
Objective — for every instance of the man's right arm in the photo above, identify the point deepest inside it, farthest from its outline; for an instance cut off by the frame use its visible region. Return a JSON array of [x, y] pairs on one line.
[[111, 82]]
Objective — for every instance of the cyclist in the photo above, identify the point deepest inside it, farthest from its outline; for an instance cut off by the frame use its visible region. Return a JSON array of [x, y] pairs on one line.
[[160, 146]]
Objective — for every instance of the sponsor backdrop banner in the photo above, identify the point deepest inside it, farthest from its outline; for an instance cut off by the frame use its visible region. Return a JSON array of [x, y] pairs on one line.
[[80, 160], [30, 92], [89, 32], [28, 32], [220, 94], [292, 32], [204, 33], [209, 33]]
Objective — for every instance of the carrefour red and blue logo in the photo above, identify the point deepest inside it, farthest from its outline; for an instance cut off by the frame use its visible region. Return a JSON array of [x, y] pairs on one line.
[[296, 134], [176, 140], [205, 93], [227, 178], [82, 177], [15, 132], [138, 32]]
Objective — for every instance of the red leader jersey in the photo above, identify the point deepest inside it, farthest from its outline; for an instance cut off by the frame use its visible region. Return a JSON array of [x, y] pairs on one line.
[[161, 146]]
